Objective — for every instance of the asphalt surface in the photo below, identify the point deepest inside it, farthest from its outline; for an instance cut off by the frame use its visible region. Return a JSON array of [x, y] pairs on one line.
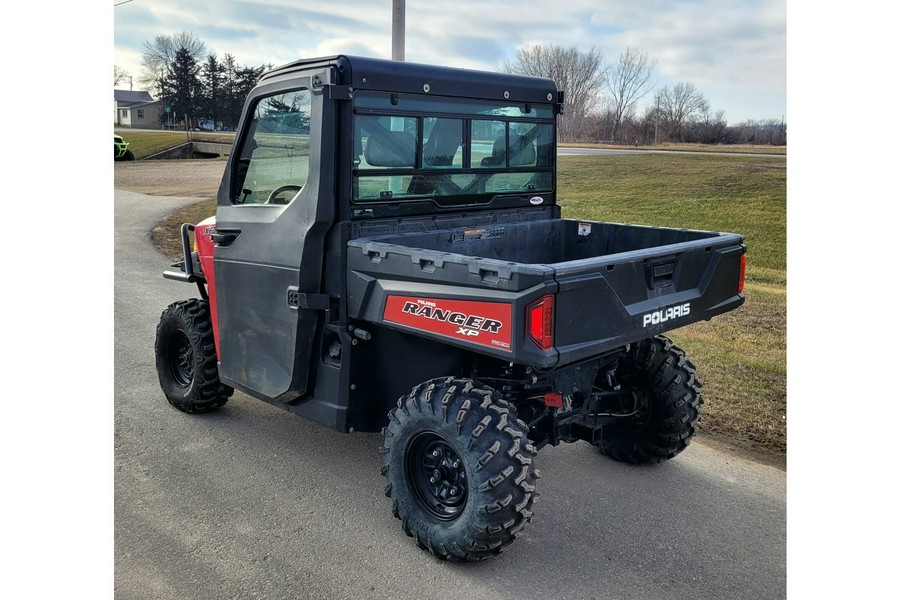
[[253, 502], [567, 151]]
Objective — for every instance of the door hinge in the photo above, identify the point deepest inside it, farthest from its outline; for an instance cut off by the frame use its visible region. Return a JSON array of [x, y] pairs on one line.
[[298, 299], [339, 92]]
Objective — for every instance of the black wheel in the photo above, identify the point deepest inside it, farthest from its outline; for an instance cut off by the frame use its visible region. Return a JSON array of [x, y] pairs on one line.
[[668, 399], [459, 469], [129, 155], [186, 358]]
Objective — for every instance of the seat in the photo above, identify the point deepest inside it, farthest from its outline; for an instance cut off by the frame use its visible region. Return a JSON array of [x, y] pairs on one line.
[[391, 149], [521, 153]]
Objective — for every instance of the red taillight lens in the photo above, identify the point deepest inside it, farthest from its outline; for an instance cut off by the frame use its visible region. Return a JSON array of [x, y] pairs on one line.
[[540, 322], [741, 274]]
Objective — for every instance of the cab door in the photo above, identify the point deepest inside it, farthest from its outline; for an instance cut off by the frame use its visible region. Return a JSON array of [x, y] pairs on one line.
[[271, 219]]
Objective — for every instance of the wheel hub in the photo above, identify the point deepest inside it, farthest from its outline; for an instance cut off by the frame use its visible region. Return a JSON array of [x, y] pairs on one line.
[[437, 476], [181, 358]]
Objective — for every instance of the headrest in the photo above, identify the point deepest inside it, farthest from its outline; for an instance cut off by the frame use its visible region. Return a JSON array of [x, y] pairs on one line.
[[521, 152], [391, 149]]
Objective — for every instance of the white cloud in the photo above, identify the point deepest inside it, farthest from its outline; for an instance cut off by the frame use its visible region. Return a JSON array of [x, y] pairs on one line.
[[734, 51]]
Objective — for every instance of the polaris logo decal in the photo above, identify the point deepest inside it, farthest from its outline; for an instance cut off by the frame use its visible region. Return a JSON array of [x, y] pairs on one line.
[[667, 314], [485, 323]]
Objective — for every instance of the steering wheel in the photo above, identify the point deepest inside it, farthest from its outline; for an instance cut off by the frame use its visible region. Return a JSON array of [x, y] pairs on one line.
[[280, 190]]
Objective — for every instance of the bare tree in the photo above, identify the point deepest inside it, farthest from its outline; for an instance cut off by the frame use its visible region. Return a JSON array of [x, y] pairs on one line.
[[628, 81], [710, 128], [159, 56], [120, 75], [580, 75], [769, 131], [678, 106]]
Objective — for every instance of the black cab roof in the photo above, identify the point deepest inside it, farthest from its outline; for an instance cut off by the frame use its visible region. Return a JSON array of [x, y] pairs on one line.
[[363, 73]]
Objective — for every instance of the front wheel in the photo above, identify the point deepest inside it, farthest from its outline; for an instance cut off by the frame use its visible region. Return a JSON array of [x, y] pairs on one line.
[[459, 469], [186, 358], [668, 399]]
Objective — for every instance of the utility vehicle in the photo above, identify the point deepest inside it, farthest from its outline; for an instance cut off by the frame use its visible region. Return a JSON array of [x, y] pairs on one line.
[[388, 253], [121, 151]]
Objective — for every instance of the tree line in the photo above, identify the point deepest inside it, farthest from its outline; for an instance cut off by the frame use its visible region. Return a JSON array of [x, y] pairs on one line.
[[197, 86], [601, 101]]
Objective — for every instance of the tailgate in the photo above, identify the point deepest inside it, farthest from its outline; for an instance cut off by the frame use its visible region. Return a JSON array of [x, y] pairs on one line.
[[608, 301]]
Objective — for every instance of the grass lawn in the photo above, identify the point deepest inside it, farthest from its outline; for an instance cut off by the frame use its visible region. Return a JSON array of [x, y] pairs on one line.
[[740, 356], [145, 143]]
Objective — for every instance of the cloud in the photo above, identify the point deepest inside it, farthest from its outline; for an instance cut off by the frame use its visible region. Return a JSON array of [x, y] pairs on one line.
[[732, 50]]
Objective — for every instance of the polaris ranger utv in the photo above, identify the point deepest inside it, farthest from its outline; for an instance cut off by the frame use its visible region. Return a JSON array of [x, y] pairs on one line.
[[388, 254]]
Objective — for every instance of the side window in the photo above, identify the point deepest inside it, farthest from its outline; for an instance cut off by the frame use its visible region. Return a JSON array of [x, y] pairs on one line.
[[273, 161], [140, 113]]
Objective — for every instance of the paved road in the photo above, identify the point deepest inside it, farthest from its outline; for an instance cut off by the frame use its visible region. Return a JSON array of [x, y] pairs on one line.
[[564, 151], [253, 502]]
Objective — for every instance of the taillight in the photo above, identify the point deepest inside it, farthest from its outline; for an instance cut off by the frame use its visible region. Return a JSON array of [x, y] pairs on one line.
[[540, 322], [741, 274]]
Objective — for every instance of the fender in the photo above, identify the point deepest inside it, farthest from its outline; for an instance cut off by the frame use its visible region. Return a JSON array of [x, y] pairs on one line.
[[205, 247]]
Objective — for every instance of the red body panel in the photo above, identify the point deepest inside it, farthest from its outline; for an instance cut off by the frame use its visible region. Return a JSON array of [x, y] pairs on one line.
[[205, 247], [485, 323]]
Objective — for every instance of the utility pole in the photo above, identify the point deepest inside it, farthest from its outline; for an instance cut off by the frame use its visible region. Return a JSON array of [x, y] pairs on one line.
[[398, 31]]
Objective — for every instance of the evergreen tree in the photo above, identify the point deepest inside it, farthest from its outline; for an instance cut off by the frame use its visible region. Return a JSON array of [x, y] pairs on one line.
[[192, 83], [181, 85], [213, 89], [159, 56], [231, 102]]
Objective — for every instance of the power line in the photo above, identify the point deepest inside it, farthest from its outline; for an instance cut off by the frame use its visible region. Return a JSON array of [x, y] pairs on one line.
[[123, 2]]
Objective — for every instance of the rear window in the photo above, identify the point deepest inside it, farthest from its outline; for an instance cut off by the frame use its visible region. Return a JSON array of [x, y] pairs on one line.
[[410, 147]]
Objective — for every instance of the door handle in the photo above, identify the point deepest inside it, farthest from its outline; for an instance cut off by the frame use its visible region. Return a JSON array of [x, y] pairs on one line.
[[224, 238]]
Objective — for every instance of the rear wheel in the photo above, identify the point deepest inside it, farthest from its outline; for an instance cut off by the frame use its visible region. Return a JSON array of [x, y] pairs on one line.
[[668, 400], [459, 469], [129, 155], [186, 358]]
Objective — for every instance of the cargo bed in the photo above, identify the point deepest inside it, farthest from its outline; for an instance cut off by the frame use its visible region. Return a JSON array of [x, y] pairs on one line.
[[611, 284]]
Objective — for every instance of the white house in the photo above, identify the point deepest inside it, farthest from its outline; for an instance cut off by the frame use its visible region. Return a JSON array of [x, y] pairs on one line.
[[136, 109]]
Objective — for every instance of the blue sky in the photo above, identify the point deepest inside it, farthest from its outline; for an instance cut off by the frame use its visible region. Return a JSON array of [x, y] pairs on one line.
[[735, 52]]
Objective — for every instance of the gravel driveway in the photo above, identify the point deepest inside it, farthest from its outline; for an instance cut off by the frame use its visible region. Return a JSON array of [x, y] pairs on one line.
[[195, 178]]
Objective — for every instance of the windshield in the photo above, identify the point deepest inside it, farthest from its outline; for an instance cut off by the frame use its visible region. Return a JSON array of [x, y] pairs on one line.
[[449, 149]]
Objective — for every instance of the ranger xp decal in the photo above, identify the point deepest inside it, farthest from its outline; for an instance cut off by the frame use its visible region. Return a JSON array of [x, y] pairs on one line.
[[485, 323], [664, 314]]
